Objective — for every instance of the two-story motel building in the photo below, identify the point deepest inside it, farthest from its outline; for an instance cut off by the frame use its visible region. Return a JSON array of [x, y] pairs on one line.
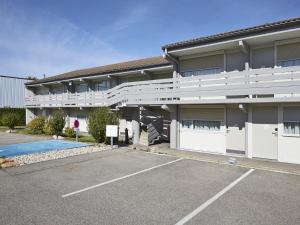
[[232, 93]]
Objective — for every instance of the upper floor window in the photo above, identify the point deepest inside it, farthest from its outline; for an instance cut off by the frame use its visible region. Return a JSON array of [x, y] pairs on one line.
[[289, 62], [200, 72], [102, 85], [81, 88]]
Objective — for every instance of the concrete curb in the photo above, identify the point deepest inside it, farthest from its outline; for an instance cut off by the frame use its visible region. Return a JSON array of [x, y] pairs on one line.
[[224, 160]]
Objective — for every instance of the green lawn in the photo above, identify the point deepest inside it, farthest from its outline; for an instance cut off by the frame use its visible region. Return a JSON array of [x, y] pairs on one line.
[[18, 128], [83, 138]]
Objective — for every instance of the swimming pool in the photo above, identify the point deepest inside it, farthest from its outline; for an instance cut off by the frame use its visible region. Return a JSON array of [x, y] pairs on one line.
[[38, 146]]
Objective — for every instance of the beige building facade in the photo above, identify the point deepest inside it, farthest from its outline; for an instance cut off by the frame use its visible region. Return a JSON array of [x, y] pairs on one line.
[[236, 93]]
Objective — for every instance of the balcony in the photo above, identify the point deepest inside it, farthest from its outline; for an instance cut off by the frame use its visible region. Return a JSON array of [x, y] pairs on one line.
[[256, 85]]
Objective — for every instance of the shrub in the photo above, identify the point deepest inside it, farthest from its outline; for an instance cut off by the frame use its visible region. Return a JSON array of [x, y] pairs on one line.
[[10, 119], [37, 125], [20, 113], [70, 132], [48, 129], [57, 122], [98, 119]]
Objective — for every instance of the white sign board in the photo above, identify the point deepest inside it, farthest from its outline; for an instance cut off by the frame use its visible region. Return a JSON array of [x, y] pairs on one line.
[[111, 131]]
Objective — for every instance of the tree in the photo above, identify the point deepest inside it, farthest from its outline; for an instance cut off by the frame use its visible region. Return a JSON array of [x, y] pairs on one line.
[[19, 112], [10, 119], [57, 122], [98, 119]]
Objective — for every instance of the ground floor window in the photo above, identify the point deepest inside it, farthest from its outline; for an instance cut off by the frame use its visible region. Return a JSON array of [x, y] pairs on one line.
[[187, 124], [207, 125], [201, 125], [292, 127]]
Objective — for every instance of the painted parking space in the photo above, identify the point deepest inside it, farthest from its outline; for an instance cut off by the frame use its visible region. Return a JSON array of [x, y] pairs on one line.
[[161, 196], [167, 190], [263, 198]]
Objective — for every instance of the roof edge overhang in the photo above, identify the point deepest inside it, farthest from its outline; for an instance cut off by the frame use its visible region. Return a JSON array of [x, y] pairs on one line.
[[236, 34], [263, 38], [163, 67], [14, 77]]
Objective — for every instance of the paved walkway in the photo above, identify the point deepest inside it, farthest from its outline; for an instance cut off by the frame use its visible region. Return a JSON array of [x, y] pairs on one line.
[[224, 159]]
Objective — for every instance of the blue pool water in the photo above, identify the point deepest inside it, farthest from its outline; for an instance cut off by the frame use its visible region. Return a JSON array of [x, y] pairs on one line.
[[38, 146]]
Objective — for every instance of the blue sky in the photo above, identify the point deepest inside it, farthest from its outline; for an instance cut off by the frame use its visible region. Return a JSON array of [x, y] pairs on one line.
[[55, 36]]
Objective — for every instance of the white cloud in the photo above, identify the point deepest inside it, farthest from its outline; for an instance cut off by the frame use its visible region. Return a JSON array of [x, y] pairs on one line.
[[37, 42], [131, 17]]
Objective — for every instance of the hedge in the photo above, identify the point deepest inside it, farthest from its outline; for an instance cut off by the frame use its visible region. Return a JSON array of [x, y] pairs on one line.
[[20, 112]]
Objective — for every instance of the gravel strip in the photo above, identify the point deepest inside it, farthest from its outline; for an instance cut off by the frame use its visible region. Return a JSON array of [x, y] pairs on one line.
[[57, 154]]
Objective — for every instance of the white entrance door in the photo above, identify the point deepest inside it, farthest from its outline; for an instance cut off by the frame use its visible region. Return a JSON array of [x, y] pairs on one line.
[[265, 125], [235, 130]]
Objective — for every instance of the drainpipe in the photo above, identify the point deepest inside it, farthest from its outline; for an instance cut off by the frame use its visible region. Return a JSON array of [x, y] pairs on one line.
[[174, 61], [173, 109]]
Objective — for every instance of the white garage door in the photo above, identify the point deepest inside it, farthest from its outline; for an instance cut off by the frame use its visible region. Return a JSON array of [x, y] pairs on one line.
[[202, 130]]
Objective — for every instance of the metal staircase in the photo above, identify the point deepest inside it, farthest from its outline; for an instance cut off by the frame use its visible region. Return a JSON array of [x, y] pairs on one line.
[[152, 123], [155, 131]]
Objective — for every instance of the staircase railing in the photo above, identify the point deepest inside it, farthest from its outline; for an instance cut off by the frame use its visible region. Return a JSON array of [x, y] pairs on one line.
[[155, 130], [154, 124]]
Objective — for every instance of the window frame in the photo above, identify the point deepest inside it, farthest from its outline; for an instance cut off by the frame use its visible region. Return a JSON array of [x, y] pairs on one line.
[[291, 134], [187, 128], [194, 71], [106, 86], [209, 122], [295, 60], [192, 128]]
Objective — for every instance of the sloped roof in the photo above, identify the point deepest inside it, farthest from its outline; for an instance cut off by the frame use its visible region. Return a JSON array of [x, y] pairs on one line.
[[106, 69], [268, 27]]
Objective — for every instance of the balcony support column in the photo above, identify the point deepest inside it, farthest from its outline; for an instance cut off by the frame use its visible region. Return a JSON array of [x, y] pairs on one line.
[[30, 115], [174, 134], [136, 126], [174, 126], [248, 129], [67, 112]]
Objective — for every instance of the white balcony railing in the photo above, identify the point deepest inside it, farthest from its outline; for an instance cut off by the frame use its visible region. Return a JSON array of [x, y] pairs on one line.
[[257, 85]]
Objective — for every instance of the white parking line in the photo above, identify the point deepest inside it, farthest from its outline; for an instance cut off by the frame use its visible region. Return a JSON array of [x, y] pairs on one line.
[[214, 198], [120, 178]]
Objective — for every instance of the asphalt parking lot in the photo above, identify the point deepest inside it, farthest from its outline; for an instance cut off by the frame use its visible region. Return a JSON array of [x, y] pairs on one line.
[[132, 187]]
